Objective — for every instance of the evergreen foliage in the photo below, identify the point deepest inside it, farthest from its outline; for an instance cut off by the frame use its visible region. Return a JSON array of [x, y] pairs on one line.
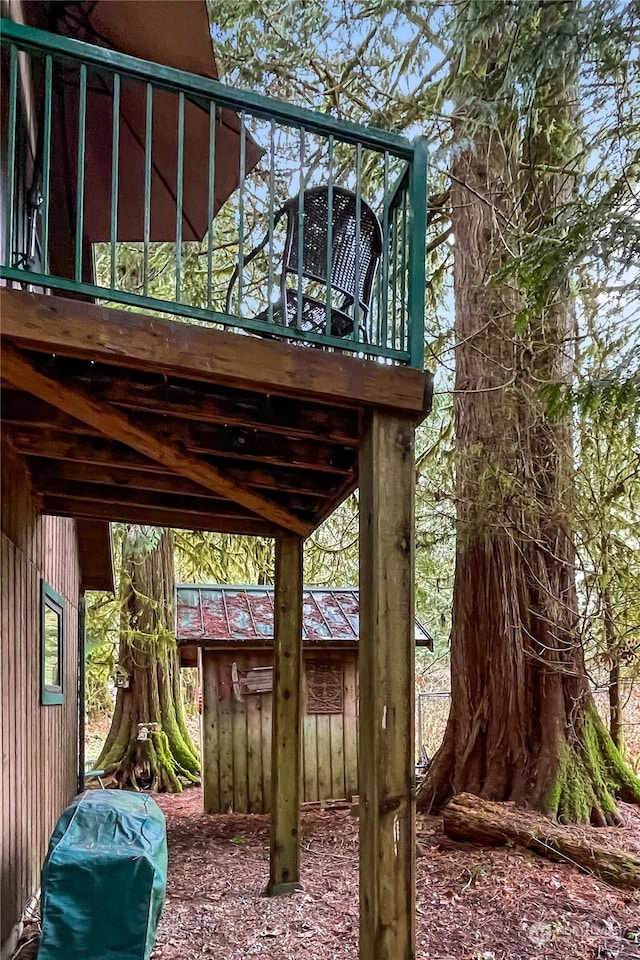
[[558, 99]]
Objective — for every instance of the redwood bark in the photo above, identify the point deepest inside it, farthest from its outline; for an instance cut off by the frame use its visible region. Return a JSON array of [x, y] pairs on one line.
[[523, 725]]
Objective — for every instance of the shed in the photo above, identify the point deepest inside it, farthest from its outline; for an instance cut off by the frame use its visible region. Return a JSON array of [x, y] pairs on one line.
[[228, 632]]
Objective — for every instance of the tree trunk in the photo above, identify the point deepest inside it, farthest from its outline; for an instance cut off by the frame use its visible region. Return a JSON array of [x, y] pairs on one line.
[[469, 818], [523, 725], [615, 705], [161, 756], [613, 651]]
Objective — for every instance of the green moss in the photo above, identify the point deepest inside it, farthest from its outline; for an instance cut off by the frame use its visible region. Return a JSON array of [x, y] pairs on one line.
[[591, 774], [180, 748], [184, 733], [620, 777], [110, 761], [166, 762], [552, 803]]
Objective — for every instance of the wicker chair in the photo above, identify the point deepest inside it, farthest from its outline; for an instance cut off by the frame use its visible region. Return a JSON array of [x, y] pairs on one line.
[[356, 247]]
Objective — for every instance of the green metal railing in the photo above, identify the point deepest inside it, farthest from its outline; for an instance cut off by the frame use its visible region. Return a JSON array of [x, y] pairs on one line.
[[159, 190]]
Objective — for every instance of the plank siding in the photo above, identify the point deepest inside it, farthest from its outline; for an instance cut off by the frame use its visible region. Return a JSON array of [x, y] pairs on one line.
[[236, 737], [350, 720], [310, 758], [209, 732], [226, 708], [39, 743], [266, 712], [255, 785]]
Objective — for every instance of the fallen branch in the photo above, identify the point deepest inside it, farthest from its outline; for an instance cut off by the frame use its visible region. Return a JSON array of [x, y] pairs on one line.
[[467, 817]]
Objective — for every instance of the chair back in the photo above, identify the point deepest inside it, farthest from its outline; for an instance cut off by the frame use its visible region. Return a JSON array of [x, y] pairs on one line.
[[356, 243]]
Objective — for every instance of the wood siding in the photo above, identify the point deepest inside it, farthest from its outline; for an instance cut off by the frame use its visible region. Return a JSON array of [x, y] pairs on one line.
[[236, 737], [39, 743]]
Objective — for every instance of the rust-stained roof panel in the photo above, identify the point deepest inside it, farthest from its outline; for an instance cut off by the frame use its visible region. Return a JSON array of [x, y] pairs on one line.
[[244, 615]]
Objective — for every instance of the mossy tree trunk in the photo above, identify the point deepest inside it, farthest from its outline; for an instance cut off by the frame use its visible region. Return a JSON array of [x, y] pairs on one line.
[[149, 655], [523, 725]]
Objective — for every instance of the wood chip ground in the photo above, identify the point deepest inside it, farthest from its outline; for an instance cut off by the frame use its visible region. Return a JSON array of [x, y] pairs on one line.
[[472, 903]]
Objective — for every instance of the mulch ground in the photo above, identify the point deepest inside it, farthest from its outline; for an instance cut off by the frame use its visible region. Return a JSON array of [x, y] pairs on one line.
[[473, 903]]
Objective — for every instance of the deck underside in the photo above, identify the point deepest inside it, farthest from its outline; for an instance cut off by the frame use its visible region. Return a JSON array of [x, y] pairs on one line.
[[131, 418]]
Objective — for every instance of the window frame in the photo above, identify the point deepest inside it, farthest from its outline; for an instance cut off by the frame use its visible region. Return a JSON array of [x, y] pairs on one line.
[[50, 599]]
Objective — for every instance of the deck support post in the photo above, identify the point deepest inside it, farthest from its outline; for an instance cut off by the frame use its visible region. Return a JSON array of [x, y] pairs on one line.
[[208, 675], [286, 750], [386, 664]]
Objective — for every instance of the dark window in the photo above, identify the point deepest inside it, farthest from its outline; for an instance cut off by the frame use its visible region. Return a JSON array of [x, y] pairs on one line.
[[52, 634]]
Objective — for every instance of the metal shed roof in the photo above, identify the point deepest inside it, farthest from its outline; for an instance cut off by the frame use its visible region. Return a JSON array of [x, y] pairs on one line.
[[244, 615]]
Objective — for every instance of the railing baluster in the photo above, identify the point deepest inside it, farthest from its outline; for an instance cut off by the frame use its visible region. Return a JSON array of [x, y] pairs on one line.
[[115, 154], [272, 191], [329, 237], [46, 160], [356, 305], [148, 148], [9, 254], [417, 252], [394, 278], [82, 128], [211, 196], [301, 131], [179, 195], [241, 177], [383, 317], [399, 336], [391, 328]]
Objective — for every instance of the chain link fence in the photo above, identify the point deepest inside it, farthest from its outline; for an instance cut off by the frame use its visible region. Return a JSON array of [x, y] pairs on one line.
[[432, 711]]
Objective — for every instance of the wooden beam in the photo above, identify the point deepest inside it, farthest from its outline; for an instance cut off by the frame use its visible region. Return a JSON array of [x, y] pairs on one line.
[[30, 441], [348, 485], [201, 508], [286, 744], [22, 409], [386, 661], [312, 647], [68, 478], [155, 516], [248, 443], [84, 479], [56, 445], [19, 371], [240, 444], [95, 555], [89, 331], [303, 421]]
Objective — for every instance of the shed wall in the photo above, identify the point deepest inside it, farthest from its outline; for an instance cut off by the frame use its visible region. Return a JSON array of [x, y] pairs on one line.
[[39, 743], [236, 736]]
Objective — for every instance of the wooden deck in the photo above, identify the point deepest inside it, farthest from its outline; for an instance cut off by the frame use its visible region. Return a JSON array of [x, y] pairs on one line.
[[134, 418]]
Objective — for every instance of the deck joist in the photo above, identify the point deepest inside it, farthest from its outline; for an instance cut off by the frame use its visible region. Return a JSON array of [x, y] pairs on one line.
[[134, 418]]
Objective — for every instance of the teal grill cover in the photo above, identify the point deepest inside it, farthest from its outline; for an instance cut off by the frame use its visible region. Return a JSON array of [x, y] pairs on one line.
[[104, 878]]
